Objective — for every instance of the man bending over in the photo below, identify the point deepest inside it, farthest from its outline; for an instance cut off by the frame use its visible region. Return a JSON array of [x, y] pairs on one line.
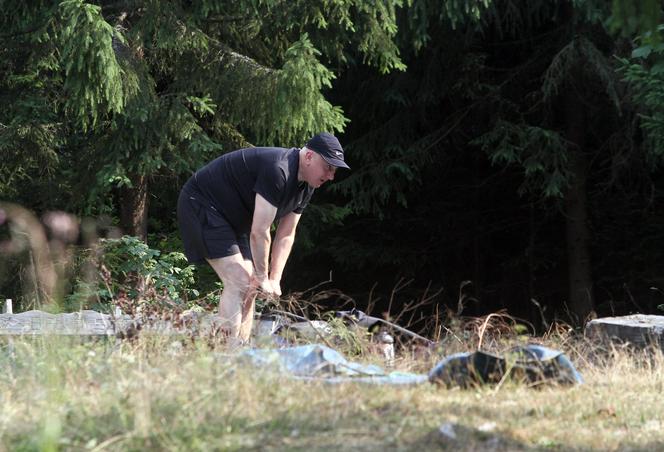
[[226, 209]]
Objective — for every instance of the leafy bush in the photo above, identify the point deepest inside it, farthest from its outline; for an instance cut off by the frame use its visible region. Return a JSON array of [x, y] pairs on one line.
[[132, 275]]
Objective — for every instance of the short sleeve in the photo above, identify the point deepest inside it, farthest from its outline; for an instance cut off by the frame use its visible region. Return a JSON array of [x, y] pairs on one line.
[[271, 183], [305, 200]]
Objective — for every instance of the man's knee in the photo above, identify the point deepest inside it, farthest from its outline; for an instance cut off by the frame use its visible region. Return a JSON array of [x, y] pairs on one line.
[[237, 276], [234, 272]]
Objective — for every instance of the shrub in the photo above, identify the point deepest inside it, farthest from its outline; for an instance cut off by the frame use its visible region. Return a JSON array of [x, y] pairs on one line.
[[131, 274]]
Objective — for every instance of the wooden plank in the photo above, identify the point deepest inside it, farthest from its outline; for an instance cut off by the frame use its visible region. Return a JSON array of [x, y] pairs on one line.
[[639, 329]]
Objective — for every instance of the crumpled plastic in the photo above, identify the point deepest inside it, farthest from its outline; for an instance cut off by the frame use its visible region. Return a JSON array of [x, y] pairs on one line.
[[319, 362], [532, 364]]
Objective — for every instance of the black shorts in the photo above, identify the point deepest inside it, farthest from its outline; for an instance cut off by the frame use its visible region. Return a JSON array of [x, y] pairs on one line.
[[205, 232]]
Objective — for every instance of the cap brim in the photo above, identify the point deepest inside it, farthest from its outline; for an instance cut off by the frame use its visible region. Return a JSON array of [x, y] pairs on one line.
[[335, 162]]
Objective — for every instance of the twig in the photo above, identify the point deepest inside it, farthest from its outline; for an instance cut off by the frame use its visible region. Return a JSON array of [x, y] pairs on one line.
[[299, 294], [412, 306], [397, 288], [407, 332], [438, 326], [452, 333], [541, 312], [463, 297], [371, 302]]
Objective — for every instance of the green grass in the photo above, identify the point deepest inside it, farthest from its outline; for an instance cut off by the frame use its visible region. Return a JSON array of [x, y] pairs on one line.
[[63, 394]]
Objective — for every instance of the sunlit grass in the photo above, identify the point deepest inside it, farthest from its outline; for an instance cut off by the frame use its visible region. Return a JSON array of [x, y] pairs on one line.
[[156, 394]]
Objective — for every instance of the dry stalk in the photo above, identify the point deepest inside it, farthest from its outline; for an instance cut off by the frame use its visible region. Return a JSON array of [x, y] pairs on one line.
[[371, 301], [483, 329], [414, 306], [461, 303], [400, 285], [501, 324], [541, 310]]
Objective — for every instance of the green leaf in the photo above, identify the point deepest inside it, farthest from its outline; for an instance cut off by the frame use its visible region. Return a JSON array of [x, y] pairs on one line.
[[642, 52]]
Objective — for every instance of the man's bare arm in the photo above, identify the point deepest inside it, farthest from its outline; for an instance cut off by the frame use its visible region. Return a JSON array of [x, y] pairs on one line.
[[281, 248], [264, 214]]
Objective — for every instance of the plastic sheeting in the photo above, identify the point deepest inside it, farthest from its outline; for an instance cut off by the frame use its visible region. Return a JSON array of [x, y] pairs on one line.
[[531, 364], [318, 362]]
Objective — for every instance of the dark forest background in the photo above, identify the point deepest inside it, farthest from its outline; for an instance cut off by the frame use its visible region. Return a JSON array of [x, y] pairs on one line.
[[505, 153]]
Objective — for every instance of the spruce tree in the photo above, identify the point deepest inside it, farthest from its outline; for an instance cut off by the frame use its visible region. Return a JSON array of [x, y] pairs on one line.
[[534, 86], [110, 94]]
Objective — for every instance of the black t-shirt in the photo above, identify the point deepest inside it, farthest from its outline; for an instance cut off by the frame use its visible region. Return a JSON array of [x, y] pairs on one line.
[[231, 181]]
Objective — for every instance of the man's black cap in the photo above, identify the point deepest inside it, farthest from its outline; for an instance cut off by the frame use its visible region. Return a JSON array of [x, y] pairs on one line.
[[329, 148]]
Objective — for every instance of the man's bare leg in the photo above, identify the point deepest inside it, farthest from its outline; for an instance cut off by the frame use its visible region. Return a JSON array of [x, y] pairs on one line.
[[248, 306], [235, 276]]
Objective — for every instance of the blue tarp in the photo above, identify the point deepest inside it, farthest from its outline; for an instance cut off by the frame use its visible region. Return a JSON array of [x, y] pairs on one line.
[[318, 362], [531, 364]]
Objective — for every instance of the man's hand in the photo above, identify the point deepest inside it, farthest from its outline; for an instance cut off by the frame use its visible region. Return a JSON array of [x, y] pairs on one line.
[[276, 287], [265, 286]]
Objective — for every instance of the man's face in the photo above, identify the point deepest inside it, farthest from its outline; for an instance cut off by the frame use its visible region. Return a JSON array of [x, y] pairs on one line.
[[318, 171]]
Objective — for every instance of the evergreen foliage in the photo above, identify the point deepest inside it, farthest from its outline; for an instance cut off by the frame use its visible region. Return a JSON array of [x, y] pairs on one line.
[[632, 19], [93, 86], [542, 153], [497, 81], [470, 125], [645, 74], [123, 90]]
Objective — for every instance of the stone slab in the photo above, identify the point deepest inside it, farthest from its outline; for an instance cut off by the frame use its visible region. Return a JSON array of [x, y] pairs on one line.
[[639, 329], [93, 323], [88, 323]]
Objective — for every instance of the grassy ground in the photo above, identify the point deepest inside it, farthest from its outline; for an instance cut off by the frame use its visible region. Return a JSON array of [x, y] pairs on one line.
[[61, 394]]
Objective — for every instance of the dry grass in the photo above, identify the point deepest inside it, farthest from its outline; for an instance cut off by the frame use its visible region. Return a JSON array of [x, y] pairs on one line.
[[155, 394], [159, 394]]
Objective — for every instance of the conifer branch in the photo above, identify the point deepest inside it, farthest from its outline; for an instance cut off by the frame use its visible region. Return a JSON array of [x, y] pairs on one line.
[[25, 32], [225, 50], [226, 19]]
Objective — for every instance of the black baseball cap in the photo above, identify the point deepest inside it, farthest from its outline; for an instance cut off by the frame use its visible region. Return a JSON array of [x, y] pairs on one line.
[[328, 147]]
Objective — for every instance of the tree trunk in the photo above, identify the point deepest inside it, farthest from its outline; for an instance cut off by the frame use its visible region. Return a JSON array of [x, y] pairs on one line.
[[581, 302], [134, 207]]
